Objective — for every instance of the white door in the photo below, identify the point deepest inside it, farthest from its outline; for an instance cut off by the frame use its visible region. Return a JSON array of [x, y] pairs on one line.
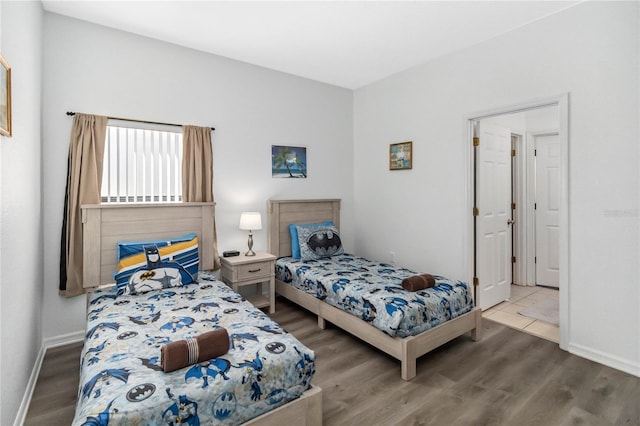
[[547, 210], [493, 200]]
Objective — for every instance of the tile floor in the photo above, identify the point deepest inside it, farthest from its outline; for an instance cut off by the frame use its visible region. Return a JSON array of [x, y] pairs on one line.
[[507, 312]]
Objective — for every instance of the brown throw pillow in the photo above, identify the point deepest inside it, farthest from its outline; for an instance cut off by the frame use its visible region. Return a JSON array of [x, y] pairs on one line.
[[418, 282], [206, 346]]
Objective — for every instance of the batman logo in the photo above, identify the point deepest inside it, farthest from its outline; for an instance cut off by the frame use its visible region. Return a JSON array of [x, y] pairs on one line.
[[275, 347], [121, 302], [230, 311], [224, 406], [206, 286], [141, 392], [146, 275], [127, 335], [324, 242]]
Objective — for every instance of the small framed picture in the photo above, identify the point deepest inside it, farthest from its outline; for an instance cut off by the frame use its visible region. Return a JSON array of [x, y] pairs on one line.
[[401, 156], [288, 161], [5, 98]]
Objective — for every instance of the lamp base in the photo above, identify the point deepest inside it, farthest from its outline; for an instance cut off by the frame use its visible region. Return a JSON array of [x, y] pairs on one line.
[[250, 244]]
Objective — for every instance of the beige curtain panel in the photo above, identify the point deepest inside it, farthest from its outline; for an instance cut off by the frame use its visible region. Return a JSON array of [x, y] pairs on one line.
[[84, 181], [197, 171]]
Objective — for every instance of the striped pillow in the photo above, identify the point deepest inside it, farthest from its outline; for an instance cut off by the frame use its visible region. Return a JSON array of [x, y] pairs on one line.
[[151, 265]]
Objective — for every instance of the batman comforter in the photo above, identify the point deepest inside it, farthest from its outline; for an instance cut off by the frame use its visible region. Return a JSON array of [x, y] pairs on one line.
[[373, 292], [121, 381]]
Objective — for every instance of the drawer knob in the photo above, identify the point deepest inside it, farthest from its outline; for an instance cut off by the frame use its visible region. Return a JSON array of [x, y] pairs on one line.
[[255, 270]]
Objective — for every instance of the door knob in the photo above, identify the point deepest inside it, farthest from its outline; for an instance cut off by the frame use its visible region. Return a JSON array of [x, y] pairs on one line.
[[510, 221]]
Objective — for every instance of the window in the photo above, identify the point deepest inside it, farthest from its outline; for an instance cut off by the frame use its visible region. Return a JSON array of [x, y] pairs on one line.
[[142, 165]]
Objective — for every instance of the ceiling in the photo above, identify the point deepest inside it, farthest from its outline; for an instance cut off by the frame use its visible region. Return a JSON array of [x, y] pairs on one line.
[[345, 43]]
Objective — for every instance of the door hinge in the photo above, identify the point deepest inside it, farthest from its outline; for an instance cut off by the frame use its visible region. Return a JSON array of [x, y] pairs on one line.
[[476, 212], [476, 141], [476, 282], [513, 259], [535, 206], [535, 259], [513, 152], [513, 206], [535, 152]]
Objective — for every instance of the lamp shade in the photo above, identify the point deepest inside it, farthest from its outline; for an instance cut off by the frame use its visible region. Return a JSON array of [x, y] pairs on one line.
[[250, 221]]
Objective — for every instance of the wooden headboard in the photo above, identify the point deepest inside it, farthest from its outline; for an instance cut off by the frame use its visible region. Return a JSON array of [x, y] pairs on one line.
[[281, 213], [104, 225]]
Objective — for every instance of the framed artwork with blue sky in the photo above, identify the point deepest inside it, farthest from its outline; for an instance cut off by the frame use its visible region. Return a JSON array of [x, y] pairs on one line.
[[288, 161]]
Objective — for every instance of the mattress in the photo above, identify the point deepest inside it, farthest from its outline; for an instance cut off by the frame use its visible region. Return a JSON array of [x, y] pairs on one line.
[[121, 381], [373, 292]]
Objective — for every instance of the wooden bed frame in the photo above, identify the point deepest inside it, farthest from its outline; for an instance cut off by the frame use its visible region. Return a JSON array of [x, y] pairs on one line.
[[105, 225], [281, 213]]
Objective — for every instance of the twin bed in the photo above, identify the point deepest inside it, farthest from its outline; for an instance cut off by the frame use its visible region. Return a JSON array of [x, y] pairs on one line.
[[265, 376], [263, 379], [366, 298]]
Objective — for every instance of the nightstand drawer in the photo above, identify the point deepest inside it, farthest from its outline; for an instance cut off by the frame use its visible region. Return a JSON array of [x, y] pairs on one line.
[[254, 270]]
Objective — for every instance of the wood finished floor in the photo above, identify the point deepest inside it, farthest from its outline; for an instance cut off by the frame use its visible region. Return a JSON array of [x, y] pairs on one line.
[[507, 378]]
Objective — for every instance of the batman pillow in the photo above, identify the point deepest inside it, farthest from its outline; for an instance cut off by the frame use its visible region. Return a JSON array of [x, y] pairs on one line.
[[146, 266], [319, 241], [156, 274]]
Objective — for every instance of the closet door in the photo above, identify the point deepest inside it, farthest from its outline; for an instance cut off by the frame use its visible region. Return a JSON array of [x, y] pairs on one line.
[[493, 221], [547, 212]]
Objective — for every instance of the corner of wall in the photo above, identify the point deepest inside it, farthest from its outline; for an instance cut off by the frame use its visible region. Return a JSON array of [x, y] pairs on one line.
[[31, 385]]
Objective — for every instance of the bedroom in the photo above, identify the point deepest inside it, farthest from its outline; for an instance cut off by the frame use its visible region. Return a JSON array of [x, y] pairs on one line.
[[347, 134]]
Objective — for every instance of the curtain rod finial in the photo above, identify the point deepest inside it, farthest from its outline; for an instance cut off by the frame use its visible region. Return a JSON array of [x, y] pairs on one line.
[[71, 113]]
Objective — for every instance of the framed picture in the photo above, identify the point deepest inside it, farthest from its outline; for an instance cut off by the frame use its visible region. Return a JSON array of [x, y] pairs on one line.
[[5, 98], [401, 156], [288, 161]]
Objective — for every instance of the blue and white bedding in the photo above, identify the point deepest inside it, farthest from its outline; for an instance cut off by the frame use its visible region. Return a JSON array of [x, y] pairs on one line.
[[373, 292], [121, 381]]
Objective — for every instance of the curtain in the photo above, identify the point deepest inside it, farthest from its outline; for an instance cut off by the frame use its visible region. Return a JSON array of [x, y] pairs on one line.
[[197, 172], [84, 181]]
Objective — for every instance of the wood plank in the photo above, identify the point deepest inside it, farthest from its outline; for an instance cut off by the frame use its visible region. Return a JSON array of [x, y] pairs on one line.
[[134, 230], [304, 411], [304, 300], [442, 333], [362, 330]]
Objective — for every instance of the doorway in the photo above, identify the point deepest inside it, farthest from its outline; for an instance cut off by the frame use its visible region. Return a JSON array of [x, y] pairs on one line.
[[507, 231]]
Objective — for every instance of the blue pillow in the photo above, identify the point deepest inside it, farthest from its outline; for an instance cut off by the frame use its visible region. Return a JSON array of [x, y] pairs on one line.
[[317, 242], [293, 230], [152, 265]]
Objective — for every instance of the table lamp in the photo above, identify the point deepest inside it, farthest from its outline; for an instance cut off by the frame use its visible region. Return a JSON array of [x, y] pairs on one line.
[[250, 221]]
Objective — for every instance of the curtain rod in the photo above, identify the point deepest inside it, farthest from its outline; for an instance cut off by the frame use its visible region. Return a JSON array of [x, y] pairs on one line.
[[71, 114]]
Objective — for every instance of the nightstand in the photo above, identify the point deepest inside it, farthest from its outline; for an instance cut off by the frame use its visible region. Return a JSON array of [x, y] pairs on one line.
[[239, 271]]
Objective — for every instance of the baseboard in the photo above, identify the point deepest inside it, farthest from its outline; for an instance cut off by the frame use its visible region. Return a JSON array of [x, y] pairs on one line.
[[51, 342], [605, 359], [64, 339], [31, 385]]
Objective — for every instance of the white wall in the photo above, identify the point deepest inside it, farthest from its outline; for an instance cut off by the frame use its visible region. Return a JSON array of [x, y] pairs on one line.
[[20, 202], [93, 69], [590, 51], [542, 119]]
